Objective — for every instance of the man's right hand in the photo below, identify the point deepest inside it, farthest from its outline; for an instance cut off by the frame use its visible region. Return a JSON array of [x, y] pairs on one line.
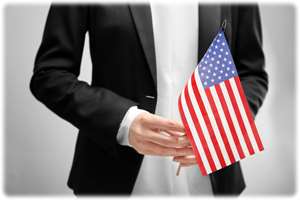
[[151, 134]]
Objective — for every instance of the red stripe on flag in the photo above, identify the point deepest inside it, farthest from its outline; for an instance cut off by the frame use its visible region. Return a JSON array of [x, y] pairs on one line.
[[248, 112], [190, 136], [198, 128], [229, 120], [220, 125], [207, 121], [239, 117]]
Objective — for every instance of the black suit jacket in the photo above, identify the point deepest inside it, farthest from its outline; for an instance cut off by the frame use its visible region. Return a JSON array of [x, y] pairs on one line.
[[124, 74]]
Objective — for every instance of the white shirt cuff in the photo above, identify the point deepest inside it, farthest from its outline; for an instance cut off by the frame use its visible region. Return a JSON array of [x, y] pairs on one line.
[[123, 132]]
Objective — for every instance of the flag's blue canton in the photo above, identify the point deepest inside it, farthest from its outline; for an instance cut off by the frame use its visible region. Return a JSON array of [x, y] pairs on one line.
[[217, 64]]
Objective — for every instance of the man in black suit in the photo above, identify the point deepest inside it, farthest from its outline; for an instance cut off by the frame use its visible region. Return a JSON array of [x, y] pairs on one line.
[[125, 75]]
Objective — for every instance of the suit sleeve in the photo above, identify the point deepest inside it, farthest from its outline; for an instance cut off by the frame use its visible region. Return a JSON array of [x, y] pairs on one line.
[[95, 110], [249, 58]]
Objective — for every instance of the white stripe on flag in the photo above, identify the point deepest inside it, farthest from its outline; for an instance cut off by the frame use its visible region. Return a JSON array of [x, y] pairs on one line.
[[202, 123], [234, 119], [225, 123], [195, 134], [243, 114], [211, 117]]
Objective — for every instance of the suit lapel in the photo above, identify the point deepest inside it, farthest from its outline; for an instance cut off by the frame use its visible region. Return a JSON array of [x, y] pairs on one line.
[[142, 18], [210, 19]]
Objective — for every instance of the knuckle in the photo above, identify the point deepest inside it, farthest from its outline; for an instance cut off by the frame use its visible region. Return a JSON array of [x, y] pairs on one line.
[[139, 132], [134, 129], [142, 119]]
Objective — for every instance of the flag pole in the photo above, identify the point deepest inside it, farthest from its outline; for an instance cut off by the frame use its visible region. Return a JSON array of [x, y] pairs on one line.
[[178, 169]]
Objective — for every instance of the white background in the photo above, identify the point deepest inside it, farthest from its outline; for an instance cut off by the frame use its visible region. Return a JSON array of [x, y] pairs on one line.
[[39, 146]]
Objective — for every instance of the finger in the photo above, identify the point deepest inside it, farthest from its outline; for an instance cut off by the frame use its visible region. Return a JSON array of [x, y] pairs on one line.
[[167, 140], [186, 151], [186, 160], [188, 164], [168, 133], [175, 133], [184, 140], [181, 136], [150, 148], [181, 140], [165, 124]]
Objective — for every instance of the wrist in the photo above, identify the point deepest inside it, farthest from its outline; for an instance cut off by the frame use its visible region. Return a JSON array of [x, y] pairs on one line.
[[123, 132]]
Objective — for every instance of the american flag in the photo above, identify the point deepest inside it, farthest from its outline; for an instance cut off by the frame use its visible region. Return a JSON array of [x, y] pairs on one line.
[[215, 111]]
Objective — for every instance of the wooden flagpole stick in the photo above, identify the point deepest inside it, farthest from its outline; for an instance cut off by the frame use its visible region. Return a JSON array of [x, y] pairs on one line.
[[178, 169]]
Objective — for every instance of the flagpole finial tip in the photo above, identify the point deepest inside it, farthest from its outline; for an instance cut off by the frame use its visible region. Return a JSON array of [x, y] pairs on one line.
[[224, 24]]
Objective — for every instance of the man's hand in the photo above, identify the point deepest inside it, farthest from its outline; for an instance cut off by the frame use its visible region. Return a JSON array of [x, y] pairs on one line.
[[150, 134]]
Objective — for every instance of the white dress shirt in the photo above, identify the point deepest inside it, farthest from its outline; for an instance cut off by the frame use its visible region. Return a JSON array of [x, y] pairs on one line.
[[175, 29]]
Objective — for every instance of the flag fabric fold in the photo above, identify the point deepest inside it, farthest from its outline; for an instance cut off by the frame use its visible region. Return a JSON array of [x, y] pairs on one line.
[[215, 111]]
